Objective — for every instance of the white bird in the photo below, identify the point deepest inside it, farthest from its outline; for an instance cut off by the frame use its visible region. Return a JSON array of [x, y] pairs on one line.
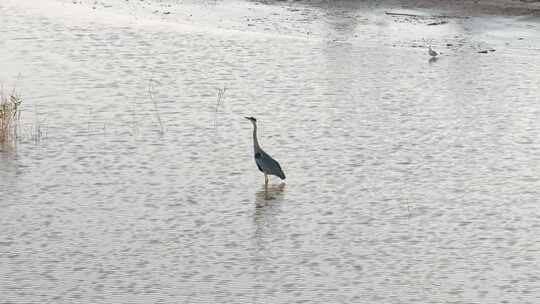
[[431, 52]]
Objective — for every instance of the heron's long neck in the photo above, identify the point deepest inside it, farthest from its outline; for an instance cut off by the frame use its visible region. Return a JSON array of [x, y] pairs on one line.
[[255, 141]]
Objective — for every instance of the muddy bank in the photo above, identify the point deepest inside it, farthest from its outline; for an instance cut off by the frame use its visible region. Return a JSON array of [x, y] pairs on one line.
[[462, 7], [480, 7]]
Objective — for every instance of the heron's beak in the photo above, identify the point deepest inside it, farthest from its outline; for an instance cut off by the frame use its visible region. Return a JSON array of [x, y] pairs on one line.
[[248, 118]]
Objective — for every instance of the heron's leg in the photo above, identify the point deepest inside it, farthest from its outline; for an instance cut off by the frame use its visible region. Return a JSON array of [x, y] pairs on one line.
[[265, 180]]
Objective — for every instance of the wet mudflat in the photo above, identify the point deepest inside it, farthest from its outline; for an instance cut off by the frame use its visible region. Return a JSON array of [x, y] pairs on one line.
[[409, 180]]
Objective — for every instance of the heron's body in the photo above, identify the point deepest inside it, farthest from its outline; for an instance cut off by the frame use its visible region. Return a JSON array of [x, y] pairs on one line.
[[431, 52], [268, 165], [265, 162]]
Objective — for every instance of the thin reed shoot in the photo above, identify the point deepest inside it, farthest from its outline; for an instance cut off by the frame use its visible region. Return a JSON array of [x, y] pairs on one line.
[[151, 90], [219, 101]]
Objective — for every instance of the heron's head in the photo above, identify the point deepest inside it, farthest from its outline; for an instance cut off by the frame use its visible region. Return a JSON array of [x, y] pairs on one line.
[[252, 119]]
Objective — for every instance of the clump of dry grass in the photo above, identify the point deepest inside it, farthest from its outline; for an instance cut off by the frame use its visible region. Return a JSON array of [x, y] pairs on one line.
[[10, 114]]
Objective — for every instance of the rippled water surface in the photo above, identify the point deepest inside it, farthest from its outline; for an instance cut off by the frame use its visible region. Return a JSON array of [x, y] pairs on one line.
[[408, 180]]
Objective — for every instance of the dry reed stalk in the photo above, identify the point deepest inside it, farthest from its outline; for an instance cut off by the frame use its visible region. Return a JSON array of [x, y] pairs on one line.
[[10, 114], [151, 90]]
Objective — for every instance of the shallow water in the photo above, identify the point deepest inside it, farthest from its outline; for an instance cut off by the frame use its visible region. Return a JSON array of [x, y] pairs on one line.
[[408, 180]]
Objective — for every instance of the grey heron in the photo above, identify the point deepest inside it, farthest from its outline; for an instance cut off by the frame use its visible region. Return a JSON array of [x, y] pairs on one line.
[[265, 162]]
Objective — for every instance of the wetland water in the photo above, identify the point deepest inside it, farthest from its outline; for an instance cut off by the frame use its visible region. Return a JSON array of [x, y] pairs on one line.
[[408, 180]]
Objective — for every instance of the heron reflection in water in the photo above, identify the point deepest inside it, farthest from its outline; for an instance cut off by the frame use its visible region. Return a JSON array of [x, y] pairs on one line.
[[270, 195]]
